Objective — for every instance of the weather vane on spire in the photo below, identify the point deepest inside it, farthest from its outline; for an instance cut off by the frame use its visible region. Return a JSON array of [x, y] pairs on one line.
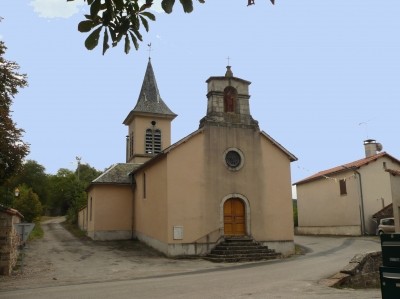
[[228, 58], [149, 45]]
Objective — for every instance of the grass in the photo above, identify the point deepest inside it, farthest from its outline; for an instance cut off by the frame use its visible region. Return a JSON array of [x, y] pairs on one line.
[[74, 230], [37, 232], [299, 250]]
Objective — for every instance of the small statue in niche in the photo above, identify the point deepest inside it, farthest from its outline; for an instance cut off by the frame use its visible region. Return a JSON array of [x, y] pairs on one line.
[[229, 99]]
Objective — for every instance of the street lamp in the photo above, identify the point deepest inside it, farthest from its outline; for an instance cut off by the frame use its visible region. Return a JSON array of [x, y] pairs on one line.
[[16, 192]]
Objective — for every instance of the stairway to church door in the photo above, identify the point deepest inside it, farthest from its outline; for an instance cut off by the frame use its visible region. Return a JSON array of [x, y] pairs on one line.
[[234, 217]]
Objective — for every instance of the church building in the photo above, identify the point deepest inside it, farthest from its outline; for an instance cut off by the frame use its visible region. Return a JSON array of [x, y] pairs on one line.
[[227, 178]]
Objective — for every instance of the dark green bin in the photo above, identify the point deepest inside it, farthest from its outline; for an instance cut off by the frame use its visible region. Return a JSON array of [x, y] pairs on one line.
[[390, 244], [390, 282]]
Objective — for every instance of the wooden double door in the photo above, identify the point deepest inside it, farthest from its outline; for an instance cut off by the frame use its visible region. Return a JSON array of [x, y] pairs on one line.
[[234, 217]]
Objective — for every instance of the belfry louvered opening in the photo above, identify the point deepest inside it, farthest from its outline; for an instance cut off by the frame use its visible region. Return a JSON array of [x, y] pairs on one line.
[[153, 141]]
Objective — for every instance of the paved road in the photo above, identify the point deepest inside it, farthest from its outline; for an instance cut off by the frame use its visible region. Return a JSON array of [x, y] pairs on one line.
[[291, 278]]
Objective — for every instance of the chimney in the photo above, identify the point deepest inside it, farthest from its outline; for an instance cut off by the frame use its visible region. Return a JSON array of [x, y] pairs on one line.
[[371, 147]]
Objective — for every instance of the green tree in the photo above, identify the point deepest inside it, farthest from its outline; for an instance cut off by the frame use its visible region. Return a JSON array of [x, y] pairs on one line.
[[67, 190], [28, 204], [34, 176], [6, 195], [61, 189], [123, 19], [86, 174], [12, 149]]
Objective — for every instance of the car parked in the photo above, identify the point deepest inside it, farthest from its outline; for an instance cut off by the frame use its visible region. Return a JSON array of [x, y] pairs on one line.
[[386, 226]]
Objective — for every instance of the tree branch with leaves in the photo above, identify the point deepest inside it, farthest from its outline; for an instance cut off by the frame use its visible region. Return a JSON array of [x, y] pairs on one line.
[[118, 20], [12, 149]]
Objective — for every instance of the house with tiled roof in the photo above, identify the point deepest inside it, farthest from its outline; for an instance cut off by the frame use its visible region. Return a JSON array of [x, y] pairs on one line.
[[343, 200], [227, 178]]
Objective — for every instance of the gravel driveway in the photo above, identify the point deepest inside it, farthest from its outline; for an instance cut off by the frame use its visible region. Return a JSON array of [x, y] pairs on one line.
[[62, 259]]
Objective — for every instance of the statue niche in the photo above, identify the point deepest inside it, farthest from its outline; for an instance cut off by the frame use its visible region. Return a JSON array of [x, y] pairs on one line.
[[230, 98]]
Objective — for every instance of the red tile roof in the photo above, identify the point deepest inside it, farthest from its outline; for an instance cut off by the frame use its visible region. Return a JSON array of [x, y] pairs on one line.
[[386, 212], [345, 167], [393, 171]]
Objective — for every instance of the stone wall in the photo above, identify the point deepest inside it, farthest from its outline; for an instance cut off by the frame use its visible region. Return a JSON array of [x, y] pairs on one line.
[[361, 272], [9, 240]]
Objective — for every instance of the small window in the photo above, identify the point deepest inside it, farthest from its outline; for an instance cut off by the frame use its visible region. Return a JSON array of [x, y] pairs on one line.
[[157, 141], [149, 141], [153, 141], [131, 144], [343, 188], [233, 159], [230, 96]]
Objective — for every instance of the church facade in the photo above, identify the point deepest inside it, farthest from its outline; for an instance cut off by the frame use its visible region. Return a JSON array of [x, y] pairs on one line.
[[228, 178]]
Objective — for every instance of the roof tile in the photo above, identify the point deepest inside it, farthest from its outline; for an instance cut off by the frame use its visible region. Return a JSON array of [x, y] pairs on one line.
[[116, 174], [346, 167]]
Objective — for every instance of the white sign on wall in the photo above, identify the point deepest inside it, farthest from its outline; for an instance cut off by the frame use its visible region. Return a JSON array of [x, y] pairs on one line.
[[178, 232]]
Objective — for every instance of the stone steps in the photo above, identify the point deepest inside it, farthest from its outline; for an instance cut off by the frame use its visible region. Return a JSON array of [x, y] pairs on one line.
[[240, 249]]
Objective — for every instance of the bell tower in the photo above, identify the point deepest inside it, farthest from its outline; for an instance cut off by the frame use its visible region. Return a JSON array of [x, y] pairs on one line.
[[149, 122], [228, 102]]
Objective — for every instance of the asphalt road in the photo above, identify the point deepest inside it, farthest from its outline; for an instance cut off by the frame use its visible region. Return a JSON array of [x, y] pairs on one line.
[[297, 277]]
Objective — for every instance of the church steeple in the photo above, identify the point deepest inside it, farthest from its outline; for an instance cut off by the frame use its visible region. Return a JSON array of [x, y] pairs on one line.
[[149, 100], [149, 122], [228, 102]]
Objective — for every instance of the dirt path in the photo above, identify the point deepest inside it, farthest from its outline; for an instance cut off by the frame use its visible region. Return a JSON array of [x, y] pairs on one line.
[[61, 259]]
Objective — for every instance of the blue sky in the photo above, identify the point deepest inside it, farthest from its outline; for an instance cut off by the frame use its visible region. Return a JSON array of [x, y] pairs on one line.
[[325, 76]]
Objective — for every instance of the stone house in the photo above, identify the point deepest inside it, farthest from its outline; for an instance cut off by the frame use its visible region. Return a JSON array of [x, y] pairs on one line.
[[9, 239], [227, 178], [342, 200]]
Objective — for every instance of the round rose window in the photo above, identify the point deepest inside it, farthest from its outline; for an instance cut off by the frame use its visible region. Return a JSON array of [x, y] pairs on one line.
[[233, 159]]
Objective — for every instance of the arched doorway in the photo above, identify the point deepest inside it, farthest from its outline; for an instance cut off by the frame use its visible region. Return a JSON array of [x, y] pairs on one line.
[[234, 217]]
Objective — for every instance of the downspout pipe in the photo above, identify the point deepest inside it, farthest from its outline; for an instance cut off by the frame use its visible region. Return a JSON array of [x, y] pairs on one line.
[[362, 214], [127, 149]]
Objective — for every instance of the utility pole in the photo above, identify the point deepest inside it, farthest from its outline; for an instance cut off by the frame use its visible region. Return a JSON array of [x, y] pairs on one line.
[[78, 161]]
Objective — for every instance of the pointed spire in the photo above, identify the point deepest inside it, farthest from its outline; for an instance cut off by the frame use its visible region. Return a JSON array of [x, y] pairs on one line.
[[149, 99]]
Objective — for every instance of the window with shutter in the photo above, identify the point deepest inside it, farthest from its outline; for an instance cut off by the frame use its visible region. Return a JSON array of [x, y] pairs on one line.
[[343, 188]]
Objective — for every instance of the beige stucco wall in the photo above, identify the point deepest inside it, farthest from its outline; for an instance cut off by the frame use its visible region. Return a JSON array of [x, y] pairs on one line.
[[376, 190], [276, 201], [322, 210], [139, 126], [395, 185], [320, 204], [151, 208], [189, 204], [83, 219], [110, 212], [192, 182]]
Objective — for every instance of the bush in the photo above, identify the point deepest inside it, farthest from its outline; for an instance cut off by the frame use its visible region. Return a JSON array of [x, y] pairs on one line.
[[28, 204]]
